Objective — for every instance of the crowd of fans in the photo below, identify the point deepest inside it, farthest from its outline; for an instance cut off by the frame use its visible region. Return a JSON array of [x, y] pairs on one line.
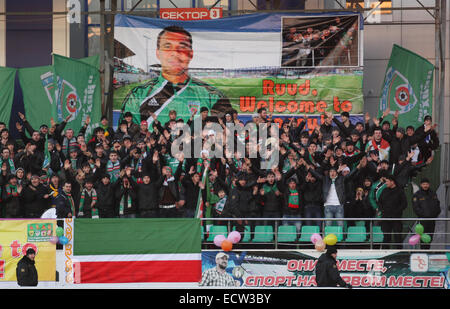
[[338, 170]]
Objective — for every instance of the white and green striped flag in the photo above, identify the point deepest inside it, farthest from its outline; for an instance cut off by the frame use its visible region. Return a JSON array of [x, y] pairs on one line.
[[136, 250]]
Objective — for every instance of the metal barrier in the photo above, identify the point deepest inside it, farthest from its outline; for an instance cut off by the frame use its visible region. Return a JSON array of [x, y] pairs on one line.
[[372, 228]]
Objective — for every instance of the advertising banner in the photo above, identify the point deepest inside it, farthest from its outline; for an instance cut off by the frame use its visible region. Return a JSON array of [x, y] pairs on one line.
[[288, 63], [407, 87], [190, 13], [17, 236], [360, 268]]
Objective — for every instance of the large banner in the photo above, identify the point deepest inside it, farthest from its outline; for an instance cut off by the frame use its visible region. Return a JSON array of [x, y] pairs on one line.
[[16, 236], [288, 63], [407, 87], [360, 268]]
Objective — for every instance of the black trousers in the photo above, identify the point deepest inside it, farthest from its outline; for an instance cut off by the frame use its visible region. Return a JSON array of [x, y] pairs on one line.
[[428, 228], [392, 233], [149, 213]]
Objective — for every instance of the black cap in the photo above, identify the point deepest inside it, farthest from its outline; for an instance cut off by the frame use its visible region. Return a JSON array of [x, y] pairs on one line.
[[425, 180], [401, 130], [391, 178], [427, 117], [204, 109], [355, 132], [345, 114], [331, 250], [128, 114], [30, 251], [126, 136]]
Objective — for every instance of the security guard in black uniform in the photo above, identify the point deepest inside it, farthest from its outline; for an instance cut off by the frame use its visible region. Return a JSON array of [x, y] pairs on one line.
[[26, 271], [327, 273], [426, 205]]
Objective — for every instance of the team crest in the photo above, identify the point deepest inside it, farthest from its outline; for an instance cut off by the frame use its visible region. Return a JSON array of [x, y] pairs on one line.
[[398, 93], [68, 101], [193, 107]]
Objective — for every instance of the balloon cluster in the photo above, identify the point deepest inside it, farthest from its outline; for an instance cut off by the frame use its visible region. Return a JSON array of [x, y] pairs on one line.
[[419, 236], [320, 243], [226, 243], [59, 238]]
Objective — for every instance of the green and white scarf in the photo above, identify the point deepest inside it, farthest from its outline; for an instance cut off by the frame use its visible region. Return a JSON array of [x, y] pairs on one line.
[[10, 162], [93, 195], [122, 204], [220, 205], [113, 169]]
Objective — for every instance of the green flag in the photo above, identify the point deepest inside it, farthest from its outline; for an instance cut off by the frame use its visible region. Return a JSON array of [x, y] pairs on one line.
[[92, 60], [7, 77], [38, 93], [77, 93], [39, 85], [407, 87]]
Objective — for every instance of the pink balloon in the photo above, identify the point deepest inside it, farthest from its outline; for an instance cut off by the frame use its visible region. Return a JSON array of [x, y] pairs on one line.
[[54, 240], [234, 237], [218, 240], [414, 240], [315, 237]]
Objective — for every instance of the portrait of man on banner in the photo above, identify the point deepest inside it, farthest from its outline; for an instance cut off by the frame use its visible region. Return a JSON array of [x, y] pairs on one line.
[[174, 88]]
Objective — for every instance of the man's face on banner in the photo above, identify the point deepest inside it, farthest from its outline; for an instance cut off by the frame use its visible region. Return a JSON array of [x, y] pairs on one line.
[[175, 53]]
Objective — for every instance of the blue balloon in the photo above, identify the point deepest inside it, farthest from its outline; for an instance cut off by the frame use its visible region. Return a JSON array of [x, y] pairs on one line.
[[63, 240]]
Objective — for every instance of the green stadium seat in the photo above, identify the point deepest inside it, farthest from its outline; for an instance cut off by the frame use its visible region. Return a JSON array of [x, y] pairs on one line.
[[356, 234], [377, 233], [360, 223], [263, 233], [217, 230], [247, 236], [307, 231], [336, 230], [287, 233]]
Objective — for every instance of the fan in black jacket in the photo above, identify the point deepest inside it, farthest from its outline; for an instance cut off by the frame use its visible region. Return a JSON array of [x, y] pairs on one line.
[[106, 202], [35, 198], [430, 142], [147, 192], [392, 202]]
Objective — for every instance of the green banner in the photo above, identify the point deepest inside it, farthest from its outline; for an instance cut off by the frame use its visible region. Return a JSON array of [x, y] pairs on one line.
[[407, 87], [38, 92], [77, 92], [7, 76]]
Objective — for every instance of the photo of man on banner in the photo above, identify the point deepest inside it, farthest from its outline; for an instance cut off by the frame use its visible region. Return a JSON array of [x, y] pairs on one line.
[[174, 88]]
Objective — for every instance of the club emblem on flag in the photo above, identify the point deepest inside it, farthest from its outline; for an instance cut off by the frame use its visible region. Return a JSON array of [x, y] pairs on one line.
[[397, 89], [68, 100]]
